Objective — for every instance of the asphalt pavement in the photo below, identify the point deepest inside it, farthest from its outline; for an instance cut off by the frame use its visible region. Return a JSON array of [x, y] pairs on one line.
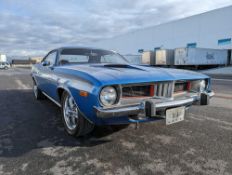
[[33, 141]]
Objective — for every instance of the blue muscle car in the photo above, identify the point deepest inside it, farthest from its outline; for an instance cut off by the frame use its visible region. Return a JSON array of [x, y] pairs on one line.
[[99, 87]]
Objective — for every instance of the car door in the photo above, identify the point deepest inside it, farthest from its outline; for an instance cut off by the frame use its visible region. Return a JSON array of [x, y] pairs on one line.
[[47, 78]]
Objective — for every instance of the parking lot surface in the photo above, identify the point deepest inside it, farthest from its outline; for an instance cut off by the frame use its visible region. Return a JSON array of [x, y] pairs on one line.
[[33, 141]]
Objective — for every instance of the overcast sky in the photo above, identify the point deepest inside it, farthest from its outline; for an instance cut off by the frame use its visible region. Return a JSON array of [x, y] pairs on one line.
[[30, 27]]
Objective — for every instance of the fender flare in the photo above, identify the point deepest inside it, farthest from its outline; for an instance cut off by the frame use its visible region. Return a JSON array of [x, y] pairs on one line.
[[66, 89]]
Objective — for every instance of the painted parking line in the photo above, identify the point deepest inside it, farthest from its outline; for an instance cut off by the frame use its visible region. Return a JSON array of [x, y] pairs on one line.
[[218, 96], [218, 79], [204, 117], [21, 85]]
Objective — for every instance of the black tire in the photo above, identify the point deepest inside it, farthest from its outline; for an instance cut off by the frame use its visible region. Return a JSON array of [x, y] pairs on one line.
[[6, 68], [83, 126], [37, 92]]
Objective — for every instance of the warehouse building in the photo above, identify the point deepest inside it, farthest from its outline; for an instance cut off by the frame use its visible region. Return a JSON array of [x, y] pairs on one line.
[[212, 29]]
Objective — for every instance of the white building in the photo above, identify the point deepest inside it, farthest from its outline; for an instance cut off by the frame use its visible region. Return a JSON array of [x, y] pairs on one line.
[[212, 29]]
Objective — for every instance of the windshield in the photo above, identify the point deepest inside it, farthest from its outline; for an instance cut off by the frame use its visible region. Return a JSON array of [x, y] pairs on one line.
[[86, 56]]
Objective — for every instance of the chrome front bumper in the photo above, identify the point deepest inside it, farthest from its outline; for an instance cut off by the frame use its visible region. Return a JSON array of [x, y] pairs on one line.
[[150, 107]]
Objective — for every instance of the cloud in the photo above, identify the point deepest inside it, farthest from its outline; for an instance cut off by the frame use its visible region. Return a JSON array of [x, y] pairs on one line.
[[33, 28]]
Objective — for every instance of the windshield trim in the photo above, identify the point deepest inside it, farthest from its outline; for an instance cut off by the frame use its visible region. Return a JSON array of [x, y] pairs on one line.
[[88, 49]]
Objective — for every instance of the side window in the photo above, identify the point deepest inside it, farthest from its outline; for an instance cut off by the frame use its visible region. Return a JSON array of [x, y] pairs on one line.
[[51, 58], [110, 59]]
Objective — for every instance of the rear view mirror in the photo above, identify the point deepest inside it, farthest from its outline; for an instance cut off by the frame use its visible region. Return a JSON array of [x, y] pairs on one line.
[[45, 63]]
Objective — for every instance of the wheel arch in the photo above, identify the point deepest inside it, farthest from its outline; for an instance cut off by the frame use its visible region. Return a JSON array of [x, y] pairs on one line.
[[33, 79], [61, 90]]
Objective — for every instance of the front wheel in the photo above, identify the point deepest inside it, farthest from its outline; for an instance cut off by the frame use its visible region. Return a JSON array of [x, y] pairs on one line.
[[37, 92], [74, 122]]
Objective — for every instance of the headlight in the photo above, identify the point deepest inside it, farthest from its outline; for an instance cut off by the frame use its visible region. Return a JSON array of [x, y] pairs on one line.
[[202, 85], [198, 85], [108, 96]]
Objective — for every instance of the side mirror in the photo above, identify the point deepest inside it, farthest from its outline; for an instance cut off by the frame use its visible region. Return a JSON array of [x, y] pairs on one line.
[[45, 63]]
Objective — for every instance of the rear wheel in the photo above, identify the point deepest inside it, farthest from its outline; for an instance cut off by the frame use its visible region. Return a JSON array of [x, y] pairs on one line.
[[37, 92], [74, 122]]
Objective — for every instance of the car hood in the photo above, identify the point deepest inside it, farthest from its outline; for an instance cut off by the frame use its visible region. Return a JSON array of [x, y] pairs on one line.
[[125, 74]]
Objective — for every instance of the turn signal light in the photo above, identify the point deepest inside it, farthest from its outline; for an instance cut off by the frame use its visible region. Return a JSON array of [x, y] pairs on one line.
[[189, 86], [152, 90], [83, 93]]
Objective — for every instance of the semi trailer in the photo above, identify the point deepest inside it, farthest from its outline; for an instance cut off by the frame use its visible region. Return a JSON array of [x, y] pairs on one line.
[[200, 57]]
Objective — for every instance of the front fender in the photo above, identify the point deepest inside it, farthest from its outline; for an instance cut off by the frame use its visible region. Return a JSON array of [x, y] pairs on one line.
[[85, 104]]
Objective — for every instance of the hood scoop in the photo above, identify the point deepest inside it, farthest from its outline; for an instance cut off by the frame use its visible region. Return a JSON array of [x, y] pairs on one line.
[[121, 66], [117, 65]]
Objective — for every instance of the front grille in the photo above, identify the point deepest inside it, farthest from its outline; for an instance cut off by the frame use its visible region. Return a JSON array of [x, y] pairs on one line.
[[163, 89], [138, 91], [159, 89], [181, 86]]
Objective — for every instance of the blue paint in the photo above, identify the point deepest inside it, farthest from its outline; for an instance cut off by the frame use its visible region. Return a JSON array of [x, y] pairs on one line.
[[93, 77]]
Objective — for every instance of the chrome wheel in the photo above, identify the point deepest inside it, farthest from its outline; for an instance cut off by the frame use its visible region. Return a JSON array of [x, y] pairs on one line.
[[70, 112]]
